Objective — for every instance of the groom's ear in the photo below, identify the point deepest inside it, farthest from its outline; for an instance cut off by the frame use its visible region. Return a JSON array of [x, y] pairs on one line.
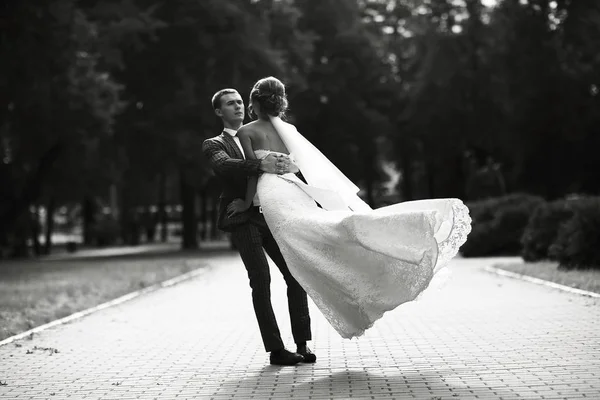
[[218, 112]]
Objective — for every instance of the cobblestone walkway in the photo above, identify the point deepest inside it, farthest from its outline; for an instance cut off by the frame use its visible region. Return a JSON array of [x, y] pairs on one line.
[[479, 336]]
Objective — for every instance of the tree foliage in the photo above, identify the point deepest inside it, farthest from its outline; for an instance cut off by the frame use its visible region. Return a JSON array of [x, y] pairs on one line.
[[117, 94]]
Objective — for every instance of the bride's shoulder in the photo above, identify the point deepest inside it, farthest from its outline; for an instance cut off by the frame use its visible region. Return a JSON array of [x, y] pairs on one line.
[[253, 129], [247, 130]]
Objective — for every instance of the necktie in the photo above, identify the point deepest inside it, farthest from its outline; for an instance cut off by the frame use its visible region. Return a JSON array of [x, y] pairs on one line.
[[236, 139]]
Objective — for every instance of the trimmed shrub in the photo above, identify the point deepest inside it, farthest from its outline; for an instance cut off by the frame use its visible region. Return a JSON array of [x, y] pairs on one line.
[[577, 243], [105, 232], [542, 229], [498, 224]]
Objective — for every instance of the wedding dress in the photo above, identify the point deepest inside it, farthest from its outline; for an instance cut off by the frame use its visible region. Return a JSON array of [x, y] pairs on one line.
[[356, 265]]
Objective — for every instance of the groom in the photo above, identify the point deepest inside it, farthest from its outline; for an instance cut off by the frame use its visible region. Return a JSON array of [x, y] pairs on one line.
[[250, 233]]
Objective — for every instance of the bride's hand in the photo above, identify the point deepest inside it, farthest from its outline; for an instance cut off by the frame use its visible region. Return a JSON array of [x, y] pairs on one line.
[[275, 164], [237, 206]]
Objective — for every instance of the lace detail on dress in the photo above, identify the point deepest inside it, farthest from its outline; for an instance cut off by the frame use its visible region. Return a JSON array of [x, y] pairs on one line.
[[262, 153], [461, 227], [356, 266]]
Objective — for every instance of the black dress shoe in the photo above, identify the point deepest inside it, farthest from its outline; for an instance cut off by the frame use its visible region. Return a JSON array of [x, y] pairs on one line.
[[285, 357], [307, 355]]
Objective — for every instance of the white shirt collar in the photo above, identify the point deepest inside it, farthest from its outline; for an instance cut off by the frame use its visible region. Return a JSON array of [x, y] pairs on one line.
[[231, 132]]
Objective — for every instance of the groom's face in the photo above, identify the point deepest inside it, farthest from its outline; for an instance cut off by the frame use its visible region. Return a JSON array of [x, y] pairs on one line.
[[232, 108]]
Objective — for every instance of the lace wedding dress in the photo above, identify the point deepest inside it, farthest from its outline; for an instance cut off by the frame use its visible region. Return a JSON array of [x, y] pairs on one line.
[[356, 265]]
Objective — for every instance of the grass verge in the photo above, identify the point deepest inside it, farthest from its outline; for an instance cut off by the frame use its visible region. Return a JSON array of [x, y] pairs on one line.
[[585, 279], [33, 293]]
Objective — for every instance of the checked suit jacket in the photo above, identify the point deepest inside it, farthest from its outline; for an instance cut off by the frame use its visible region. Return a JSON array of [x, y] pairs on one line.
[[229, 165]]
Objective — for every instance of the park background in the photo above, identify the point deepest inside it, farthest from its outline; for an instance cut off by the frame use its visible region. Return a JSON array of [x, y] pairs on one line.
[[104, 106]]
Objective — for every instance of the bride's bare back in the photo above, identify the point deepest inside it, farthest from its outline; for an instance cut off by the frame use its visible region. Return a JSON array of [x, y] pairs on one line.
[[264, 136]]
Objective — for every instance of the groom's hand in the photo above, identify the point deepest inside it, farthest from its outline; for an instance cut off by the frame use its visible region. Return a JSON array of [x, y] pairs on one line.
[[276, 164], [237, 206]]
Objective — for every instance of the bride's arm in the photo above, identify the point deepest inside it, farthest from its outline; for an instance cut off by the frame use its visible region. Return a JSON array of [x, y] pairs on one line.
[[223, 164]]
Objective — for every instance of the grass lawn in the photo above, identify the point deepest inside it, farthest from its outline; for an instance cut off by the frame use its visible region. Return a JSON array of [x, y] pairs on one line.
[[33, 293], [587, 279]]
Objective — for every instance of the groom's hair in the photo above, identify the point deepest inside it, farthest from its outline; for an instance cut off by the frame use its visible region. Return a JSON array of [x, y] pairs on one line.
[[216, 99]]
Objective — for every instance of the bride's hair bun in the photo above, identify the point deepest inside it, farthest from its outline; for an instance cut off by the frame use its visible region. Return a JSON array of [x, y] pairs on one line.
[[269, 93]]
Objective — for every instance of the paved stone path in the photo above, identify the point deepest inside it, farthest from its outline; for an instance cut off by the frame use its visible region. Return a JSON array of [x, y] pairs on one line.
[[479, 336]]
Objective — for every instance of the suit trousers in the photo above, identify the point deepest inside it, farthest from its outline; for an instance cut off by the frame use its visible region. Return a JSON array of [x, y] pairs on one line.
[[250, 239]]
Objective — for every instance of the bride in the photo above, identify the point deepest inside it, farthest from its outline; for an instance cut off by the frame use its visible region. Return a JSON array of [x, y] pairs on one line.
[[354, 262]]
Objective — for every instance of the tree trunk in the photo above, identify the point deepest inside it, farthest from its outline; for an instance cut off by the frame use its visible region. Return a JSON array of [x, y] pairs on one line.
[[124, 216], [89, 217], [35, 231], [130, 221], [19, 236], [32, 187], [188, 214], [214, 216], [162, 207], [149, 225], [49, 225], [203, 214]]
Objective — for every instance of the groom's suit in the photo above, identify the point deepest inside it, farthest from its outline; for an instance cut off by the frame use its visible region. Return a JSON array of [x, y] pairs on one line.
[[250, 234]]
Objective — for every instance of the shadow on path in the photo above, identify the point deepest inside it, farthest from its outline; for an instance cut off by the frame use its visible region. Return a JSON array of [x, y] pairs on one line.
[[387, 382]]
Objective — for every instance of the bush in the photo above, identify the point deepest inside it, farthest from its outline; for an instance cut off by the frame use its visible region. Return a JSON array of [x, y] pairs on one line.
[[105, 232], [71, 246], [577, 243], [498, 224], [542, 229]]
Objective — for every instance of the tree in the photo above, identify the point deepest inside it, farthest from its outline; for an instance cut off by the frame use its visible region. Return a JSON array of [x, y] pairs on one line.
[[341, 109], [202, 47], [57, 102]]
